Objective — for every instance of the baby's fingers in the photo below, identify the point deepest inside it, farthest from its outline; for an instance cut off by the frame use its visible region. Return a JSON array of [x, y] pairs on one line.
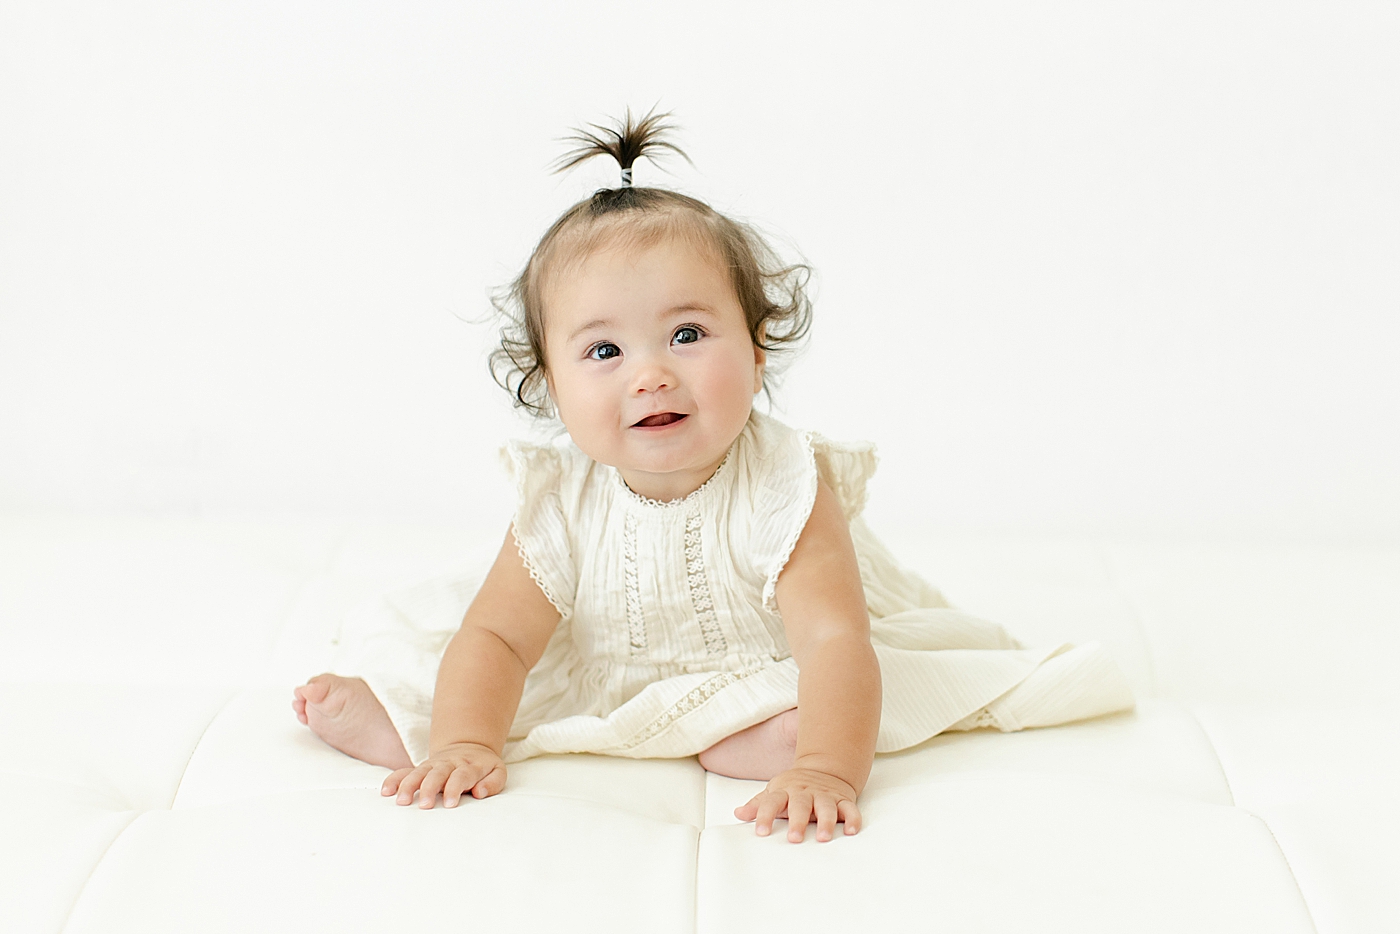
[[749, 811], [825, 809], [771, 805], [464, 778], [460, 780], [492, 784], [799, 814], [391, 784], [410, 783], [849, 813], [432, 784]]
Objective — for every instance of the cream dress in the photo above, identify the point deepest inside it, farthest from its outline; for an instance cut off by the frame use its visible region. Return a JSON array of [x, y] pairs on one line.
[[669, 636]]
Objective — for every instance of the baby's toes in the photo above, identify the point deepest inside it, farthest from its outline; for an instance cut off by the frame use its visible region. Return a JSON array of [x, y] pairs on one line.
[[316, 690], [331, 699]]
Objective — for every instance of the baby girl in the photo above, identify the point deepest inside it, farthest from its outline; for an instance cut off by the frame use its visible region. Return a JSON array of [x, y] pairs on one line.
[[685, 575]]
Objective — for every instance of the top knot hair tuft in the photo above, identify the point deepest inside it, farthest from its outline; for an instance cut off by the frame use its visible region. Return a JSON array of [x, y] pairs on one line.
[[626, 142]]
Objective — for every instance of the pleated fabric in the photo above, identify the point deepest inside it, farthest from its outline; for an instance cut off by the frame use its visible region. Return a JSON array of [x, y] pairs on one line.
[[669, 637]]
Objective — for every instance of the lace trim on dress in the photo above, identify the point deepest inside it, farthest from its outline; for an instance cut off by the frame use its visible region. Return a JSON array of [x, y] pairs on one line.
[[519, 458], [636, 622], [689, 498], [980, 720], [697, 696], [534, 574], [809, 499], [846, 467], [704, 605]]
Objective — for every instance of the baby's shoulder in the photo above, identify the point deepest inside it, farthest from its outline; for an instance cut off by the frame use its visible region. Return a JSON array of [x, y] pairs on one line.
[[770, 449], [782, 459], [556, 471], [549, 458]]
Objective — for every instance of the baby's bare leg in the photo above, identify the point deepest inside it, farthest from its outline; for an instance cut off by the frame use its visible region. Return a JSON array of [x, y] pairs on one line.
[[345, 713], [759, 752]]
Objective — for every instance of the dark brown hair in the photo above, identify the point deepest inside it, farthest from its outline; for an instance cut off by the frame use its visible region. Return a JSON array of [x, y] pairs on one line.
[[772, 294]]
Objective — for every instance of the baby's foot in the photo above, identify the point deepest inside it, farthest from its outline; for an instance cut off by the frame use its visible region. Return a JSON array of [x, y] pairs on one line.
[[345, 713], [759, 752]]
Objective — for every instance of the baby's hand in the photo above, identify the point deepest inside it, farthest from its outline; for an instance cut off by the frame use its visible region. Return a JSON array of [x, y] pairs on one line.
[[803, 795], [453, 770]]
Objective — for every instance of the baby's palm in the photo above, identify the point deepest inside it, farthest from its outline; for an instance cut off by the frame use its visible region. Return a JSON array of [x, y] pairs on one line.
[[454, 770]]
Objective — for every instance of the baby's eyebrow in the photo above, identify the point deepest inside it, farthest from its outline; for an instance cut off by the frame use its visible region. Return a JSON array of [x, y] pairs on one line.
[[593, 325], [688, 307]]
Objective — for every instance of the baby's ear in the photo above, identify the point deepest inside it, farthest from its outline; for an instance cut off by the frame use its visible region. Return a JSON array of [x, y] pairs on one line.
[[760, 357]]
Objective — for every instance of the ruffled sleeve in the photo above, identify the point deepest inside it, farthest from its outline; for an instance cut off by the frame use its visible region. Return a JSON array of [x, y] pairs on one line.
[[540, 525], [846, 468], [788, 463]]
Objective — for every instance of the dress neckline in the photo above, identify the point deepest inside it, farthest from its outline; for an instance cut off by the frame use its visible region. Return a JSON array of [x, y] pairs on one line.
[[690, 498]]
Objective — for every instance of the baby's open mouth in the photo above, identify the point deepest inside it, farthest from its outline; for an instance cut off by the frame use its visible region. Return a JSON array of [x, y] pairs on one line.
[[656, 421]]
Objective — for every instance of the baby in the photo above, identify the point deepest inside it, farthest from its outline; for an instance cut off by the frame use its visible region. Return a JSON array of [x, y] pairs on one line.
[[686, 576]]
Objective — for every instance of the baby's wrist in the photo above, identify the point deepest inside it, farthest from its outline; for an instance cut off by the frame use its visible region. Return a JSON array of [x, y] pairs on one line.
[[833, 766], [462, 745]]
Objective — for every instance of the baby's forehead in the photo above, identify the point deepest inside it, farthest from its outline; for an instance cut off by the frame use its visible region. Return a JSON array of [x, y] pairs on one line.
[[632, 235], [578, 261]]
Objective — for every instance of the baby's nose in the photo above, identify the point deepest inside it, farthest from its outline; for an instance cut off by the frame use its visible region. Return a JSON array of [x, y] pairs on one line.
[[651, 377]]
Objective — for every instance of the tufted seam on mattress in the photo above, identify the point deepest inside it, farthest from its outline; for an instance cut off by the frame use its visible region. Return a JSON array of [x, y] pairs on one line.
[[1215, 754], [603, 805], [113, 802], [593, 802], [233, 693], [704, 807], [695, 876], [1302, 896], [976, 776], [469, 801], [68, 916]]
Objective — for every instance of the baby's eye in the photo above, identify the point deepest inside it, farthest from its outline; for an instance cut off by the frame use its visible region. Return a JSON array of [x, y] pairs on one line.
[[604, 351], [686, 335]]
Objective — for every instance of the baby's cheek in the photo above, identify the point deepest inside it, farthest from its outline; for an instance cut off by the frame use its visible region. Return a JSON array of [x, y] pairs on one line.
[[734, 384], [592, 427]]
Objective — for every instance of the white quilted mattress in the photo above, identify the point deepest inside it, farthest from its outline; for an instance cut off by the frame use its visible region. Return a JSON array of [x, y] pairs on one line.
[[155, 779]]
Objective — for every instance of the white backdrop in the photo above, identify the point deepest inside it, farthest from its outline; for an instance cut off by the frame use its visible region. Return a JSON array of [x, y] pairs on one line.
[[1080, 266]]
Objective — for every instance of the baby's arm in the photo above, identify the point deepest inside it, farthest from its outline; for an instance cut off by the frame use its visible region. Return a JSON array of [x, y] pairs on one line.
[[479, 683], [838, 684]]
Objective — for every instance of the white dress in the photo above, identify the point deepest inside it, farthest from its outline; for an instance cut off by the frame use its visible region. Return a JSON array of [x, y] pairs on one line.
[[669, 637]]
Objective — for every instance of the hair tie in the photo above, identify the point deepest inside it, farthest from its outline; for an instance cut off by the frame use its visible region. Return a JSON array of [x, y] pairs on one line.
[[626, 142]]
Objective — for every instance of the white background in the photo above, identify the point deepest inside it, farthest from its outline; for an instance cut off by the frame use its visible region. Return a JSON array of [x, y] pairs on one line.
[[1081, 267]]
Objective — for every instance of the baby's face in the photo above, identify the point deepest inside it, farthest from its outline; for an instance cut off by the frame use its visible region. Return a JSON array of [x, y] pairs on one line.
[[650, 363]]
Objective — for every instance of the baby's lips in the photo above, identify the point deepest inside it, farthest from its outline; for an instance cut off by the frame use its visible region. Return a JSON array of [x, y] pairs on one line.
[[661, 418]]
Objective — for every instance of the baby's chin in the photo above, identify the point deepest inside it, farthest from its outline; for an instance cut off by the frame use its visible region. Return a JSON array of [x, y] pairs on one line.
[[650, 457], [650, 468], [688, 444]]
